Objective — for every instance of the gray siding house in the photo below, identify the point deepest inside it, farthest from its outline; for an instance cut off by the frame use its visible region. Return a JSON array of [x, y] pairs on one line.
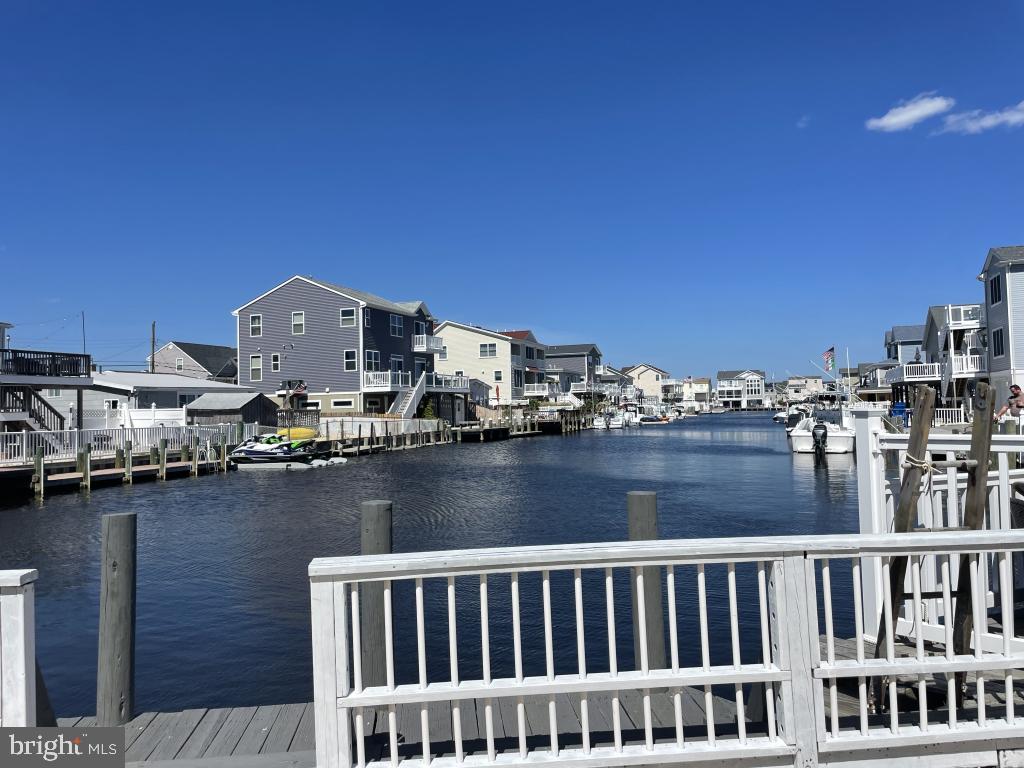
[[200, 361], [352, 351], [1003, 277], [573, 364]]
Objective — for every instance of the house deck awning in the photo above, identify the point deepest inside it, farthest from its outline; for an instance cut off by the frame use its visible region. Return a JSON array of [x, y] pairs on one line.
[[533, 369]]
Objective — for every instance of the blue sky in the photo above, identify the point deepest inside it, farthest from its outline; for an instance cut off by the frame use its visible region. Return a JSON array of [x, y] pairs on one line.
[[702, 186]]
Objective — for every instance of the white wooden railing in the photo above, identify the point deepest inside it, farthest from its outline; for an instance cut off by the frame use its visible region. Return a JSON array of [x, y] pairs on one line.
[[579, 386], [544, 390], [782, 593], [17, 648], [387, 380], [446, 383], [969, 364], [914, 372], [21, 447], [427, 343]]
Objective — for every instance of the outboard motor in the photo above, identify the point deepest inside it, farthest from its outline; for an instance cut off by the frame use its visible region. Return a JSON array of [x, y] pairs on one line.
[[819, 433]]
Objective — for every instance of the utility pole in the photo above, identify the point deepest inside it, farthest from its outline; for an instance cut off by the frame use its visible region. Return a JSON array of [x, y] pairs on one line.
[[152, 348], [83, 331]]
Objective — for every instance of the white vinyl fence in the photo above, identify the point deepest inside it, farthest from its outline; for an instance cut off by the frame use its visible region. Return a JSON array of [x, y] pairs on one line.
[[17, 648], [784, 592], [343, 428], [21, 447]]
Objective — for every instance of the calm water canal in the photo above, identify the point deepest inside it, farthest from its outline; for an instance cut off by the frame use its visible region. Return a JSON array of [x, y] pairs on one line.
[[223, 600]]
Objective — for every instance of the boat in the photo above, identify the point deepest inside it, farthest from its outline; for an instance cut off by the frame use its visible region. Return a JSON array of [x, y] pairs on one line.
[[817, 436], [600, 422], [718, 409], [653, 420], [615, 422], [275, 452]]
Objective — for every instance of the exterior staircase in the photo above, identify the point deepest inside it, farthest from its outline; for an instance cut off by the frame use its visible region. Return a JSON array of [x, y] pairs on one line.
[[568, 398], [407, 401], [38, 415]]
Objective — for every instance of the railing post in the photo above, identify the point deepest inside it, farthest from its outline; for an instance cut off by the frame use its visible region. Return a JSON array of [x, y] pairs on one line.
[[793, 617], [18, 637], [870, 502], [375, 539]]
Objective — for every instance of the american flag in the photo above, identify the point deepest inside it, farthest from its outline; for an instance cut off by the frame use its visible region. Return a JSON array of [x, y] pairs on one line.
[[299, 388], [830, 358]]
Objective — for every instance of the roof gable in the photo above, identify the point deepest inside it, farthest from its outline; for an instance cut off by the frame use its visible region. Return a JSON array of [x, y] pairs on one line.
[[1006, 254], [214, 358], [745, 373], [569, 350], [368, 299]]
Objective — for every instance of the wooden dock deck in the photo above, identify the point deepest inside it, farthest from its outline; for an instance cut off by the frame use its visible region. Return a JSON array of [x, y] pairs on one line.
[[283, 735]]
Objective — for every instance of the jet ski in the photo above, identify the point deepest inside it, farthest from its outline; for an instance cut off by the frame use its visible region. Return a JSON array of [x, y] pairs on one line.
[[273, 451]]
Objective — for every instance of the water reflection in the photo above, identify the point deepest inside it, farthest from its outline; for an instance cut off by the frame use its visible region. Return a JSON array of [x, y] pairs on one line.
[[223, 613]]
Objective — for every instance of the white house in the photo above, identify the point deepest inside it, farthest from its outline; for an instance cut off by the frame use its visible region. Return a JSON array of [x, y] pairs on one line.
[[648, 378], [741, 389], [512, 363]]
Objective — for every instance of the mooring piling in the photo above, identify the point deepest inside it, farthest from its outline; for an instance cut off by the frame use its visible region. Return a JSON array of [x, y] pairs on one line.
[[115, 671]]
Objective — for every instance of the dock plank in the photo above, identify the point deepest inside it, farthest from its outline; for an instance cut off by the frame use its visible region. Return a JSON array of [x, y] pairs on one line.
[[283, 730], [175, 737], [204, 733], [150, 737], [67, 722], [230, 732], [256, 732], [305, 733]]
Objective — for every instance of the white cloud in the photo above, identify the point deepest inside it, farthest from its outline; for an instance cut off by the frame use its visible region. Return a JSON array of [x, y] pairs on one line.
[[907, 114], [803, 122], [977, 121]]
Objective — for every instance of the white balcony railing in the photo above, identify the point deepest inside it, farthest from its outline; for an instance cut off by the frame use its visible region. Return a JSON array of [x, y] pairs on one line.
[[969, 364], [387, 381], [440, 382], [540, 390], [579, 386], [431, 344], [914, 372]]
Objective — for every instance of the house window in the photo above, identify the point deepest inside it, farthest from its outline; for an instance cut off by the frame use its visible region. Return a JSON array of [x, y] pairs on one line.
[[540, 354], [298, 323], [111, 405], [497, 375], [530, 353], [275, 362], [179, 363], [184, 400], [372, 360], [396, 325], [995, 290], [460, 373], [348, 317], [366, 317], [397, 363], [255, 325], [419, 328], [53, 393], [255, 367], [341, 403], [444, 353], [998, 350], [488, 350], [350, 360]]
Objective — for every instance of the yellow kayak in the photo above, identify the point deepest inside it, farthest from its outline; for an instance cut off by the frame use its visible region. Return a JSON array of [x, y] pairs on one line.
[[298, 433]]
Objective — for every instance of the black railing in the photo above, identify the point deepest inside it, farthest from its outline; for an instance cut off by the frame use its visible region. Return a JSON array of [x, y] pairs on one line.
[[27, 400], [24, 362]]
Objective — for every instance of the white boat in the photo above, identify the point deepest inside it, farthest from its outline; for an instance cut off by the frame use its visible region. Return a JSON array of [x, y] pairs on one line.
[[810, 436], [615, 422], [600, 422]]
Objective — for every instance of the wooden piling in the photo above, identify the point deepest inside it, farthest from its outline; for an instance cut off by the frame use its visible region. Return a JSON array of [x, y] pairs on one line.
[[375, 539], [128, 458], [223, 455], [115, 673], [162, 472], [119, 458], [40, 472], [87, 467], [359, 439], [642, 508], [154, 455]]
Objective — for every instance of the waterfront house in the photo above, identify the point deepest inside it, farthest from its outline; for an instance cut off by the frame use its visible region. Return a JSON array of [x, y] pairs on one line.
[[799, 388], [692, 394], [573, 366], [1003, 277], [201, 361], [613, 383], [648, 379], [903, 342], [512, 363], [115, 398], [741, 389], [315, 344], [26, 375]]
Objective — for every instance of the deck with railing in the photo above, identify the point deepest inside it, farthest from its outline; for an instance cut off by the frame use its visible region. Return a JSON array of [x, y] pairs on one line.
[[26, 362]]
